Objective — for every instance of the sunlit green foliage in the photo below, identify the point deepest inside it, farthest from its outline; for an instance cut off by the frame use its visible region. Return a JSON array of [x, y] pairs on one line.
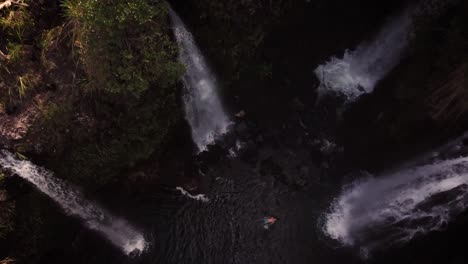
[[15, 52], [126, 104], [124, 45], [17, 23], [16, 27]]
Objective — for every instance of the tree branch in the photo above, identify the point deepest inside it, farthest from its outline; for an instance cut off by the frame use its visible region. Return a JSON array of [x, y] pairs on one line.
[[8, 3]]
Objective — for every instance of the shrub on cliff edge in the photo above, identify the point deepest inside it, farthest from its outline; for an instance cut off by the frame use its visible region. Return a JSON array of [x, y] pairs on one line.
[[123, 44]]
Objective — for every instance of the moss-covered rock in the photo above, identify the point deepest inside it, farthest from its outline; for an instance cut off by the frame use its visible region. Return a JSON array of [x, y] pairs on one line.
[[124, 46], [120, 104]]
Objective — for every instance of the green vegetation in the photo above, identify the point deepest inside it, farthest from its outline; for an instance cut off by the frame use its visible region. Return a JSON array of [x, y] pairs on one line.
[[17, 72], [15, 52], [110, 71], [124, 46], [23, 86], [122, 102], [17, 23], [134, 136]]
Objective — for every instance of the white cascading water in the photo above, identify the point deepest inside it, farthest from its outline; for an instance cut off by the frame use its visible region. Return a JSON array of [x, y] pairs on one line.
[[203, 107], [359, 71], [198, 197], [391, 209], [116, 230]]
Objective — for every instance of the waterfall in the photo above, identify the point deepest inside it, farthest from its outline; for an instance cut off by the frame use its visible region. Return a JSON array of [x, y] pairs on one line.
[[359, 70], [392, 209], [116, 230], [203, 107]]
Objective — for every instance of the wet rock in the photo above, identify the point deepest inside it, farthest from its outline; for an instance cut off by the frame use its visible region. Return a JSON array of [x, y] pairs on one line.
[[138, 175], [300, 181], [443, 198], [241, 114], [260, 139], [298, 105], [241, 128], [3, 196], [325, 165], [327, 147], [304, 170]]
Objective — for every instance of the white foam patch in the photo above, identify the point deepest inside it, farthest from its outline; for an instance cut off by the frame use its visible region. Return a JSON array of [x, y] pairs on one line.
[[234, 151], [116, 230], [198, 197]]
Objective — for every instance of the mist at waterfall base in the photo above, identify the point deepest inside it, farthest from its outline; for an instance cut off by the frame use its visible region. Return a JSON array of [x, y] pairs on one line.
[[359, 70], [114, 229], [203, 108], [380, 212]]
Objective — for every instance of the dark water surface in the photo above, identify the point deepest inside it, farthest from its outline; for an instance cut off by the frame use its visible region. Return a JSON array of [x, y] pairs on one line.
[[269, 177]]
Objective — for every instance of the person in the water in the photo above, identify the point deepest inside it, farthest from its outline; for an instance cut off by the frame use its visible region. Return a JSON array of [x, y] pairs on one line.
[[268, 221]]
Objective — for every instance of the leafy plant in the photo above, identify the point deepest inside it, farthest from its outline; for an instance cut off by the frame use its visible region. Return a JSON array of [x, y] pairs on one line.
[[21, 156], [15, 52], [23, 86], [125, 48]]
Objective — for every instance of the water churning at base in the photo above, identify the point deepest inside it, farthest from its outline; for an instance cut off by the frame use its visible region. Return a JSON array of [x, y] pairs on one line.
[[116, 230], [203, 107], [379, 212], [359, 70]]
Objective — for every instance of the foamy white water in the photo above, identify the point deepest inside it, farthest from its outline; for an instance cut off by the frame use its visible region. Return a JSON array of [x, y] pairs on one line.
[[379, 212], [203, 108], [198, 197], [359, 70], [116, 230]]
